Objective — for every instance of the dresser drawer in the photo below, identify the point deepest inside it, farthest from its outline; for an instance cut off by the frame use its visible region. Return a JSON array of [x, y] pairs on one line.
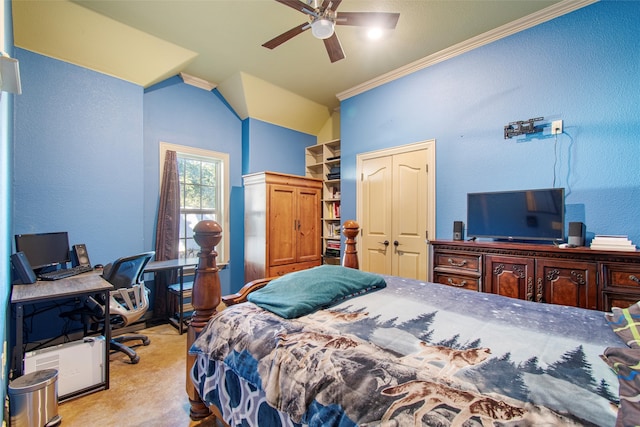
[[281, 270], [614, 299], [461, 262], [621, 276], [457, 281]]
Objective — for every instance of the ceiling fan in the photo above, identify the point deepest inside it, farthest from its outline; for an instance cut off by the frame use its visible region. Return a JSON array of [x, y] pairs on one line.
[[323, 18]]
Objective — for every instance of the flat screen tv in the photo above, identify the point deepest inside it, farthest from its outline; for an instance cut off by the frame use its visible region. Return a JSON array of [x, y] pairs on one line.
[[524, 215]]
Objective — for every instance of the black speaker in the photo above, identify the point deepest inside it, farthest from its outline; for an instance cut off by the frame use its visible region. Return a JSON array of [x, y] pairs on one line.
[[576, 234], [23, 272], [458, 230], [80, 255]]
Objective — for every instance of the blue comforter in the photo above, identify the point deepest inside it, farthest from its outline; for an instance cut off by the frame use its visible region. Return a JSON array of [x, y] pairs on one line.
[[413, 353]]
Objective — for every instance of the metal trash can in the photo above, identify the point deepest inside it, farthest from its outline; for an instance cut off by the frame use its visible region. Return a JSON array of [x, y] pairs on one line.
[[33, 399]]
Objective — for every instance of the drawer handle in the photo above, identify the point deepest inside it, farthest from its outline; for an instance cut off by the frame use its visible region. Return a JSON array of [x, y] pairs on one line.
[[634, 278], [460, 285], [457, 264]]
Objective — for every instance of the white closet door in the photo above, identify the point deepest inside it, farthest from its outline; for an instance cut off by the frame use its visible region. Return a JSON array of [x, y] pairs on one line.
[[396, 210]]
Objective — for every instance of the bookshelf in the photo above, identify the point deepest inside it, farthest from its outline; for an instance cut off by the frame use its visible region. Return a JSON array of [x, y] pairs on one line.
[[323, 161]]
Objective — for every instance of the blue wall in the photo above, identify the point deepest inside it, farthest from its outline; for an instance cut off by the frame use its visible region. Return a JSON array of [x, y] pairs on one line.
[[582, 68], [87, 156], [181, 114], [78, 157], [274, 148]]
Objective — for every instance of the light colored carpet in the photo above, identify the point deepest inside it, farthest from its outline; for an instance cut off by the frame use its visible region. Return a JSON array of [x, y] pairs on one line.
[[150, 393]]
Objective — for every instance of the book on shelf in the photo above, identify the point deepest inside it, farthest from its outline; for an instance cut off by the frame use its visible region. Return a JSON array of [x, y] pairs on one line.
[[333, 244], [332, 253], [333, 230], [611, 240], [335, 193], [333, 210], [612, 243], [613, 248]]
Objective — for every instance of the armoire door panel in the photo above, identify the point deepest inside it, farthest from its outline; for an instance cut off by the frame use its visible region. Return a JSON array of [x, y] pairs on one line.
[[308, 227], [282, 226]]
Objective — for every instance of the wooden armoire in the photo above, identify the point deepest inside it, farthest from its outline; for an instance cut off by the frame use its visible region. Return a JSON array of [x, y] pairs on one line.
[[281, 224]]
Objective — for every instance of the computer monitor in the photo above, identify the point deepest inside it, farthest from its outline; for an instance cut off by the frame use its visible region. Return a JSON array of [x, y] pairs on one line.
[[44, 249]]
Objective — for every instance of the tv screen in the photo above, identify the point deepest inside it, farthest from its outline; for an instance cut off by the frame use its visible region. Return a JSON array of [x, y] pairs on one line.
[[517, 215], [44, 249]]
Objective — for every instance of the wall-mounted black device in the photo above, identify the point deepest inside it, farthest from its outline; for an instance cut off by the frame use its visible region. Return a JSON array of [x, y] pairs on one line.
[[522, 127]]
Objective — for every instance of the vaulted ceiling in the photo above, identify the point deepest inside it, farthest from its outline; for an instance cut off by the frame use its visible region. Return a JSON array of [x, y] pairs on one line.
[[218, 42]]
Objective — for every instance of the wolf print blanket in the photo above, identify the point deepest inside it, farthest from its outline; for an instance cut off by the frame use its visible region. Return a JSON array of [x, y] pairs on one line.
[[413, 353]]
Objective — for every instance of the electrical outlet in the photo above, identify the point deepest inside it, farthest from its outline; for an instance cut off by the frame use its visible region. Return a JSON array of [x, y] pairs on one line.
[[556, 127]]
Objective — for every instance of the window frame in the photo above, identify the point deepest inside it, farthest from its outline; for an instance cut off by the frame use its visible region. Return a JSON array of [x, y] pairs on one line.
[[223, 248]]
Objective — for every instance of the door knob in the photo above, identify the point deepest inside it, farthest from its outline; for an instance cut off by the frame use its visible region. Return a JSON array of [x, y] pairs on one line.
[[386, 243], [396, 243]]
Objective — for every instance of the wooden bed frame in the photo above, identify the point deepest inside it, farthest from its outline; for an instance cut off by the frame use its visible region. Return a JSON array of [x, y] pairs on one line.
[[207, 299]]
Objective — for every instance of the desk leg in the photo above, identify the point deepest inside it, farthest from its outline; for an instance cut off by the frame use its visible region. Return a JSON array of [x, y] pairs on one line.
[[18, 352], [107, 338], [181, 300]]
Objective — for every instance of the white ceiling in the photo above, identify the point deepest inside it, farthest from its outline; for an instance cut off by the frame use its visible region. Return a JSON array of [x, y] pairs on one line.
[[148, 41]]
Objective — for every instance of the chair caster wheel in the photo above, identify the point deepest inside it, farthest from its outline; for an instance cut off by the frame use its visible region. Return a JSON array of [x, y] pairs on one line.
[[146, 342], [135, 359]]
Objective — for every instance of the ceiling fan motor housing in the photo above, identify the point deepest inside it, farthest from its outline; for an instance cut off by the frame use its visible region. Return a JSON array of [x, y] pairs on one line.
[[322, 28]]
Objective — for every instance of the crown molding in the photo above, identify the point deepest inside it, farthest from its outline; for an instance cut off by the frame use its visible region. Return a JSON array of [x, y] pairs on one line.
[[501, 32], [198, 82]]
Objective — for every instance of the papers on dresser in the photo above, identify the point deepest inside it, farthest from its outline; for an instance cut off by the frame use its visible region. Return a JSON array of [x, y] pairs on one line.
[[612, 243]]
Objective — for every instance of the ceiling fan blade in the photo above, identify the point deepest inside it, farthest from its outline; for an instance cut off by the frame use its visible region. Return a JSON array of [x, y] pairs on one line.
[[278, 40], [333, 3], [386, 20], [299, 6], [334, 48]]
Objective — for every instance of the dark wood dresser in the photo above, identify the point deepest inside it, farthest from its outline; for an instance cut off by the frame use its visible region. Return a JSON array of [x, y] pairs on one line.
[[578, 277]]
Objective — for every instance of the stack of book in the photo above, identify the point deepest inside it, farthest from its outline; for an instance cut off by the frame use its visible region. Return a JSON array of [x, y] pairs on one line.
[[334, 173], [333, 230], [333, 248], [612, 243]]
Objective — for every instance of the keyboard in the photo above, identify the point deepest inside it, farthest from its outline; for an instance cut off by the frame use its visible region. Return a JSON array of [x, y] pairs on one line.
[[65, 272]]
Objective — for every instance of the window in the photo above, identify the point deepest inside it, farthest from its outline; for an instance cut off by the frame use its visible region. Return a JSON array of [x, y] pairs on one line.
[[204, 182]]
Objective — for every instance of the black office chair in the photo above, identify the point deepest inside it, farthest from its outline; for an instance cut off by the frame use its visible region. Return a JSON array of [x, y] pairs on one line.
[[129, 300]]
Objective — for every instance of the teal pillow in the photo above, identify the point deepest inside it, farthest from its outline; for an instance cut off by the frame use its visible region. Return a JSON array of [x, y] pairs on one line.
[[303, 292]]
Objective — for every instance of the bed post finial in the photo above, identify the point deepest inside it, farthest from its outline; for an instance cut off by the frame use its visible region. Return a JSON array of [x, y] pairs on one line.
[[205, 298], [350, 229]]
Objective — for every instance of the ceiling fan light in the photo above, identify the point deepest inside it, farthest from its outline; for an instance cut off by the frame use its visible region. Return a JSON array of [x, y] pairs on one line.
[[374, 33], [322, 28]]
